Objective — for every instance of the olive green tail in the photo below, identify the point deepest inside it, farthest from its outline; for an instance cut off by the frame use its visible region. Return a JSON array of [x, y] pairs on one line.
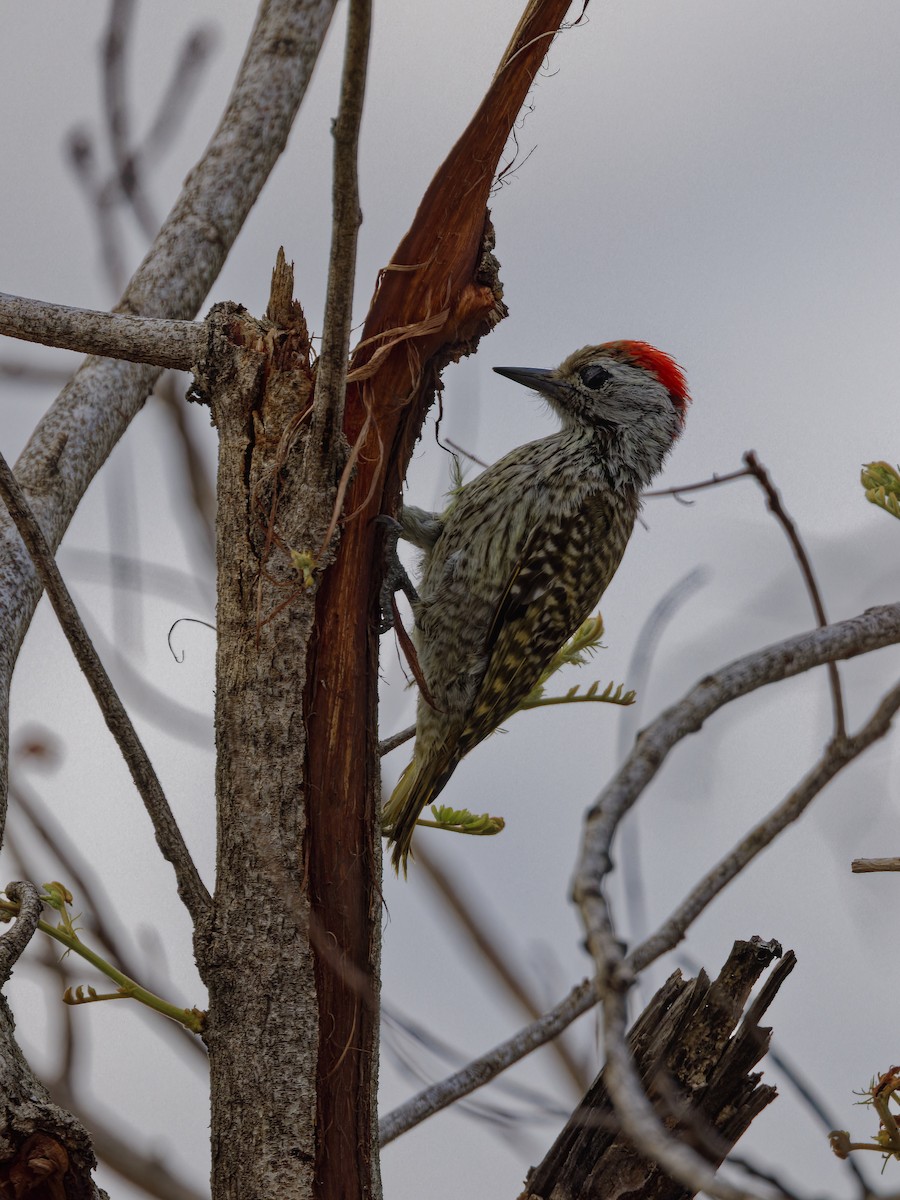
[[417, 787]]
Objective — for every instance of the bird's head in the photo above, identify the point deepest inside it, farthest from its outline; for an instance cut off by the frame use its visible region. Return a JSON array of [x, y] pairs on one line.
[[632, 396]]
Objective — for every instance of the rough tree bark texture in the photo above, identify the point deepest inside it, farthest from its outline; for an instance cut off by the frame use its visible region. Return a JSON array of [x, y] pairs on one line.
[[256, 956], [33, 1161], [695, 1054], [438, 296]]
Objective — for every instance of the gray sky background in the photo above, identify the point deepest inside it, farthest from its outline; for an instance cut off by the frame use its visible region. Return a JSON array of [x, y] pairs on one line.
[[720, 180]]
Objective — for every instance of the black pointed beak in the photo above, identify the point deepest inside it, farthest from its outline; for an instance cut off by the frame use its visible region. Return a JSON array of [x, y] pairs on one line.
[[537, 378]]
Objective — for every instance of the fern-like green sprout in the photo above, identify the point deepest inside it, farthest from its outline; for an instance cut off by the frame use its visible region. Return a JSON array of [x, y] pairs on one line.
[[882, 1090], [576, 652], [882, 484], [460, 820], [58, 896]]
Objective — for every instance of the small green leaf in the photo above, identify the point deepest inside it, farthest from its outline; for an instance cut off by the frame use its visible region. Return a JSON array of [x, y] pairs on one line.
[[304, 563], [460, 820], [882, 485], [611, 694]]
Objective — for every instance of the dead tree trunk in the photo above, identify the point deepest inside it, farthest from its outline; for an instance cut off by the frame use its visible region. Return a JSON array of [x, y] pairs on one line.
[[695, 1055]]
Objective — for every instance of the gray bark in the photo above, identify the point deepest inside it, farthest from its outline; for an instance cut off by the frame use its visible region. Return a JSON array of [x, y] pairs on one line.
[[263, 954]]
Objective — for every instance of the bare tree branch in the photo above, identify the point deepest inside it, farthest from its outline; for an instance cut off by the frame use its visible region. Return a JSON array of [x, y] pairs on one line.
[[498, 959], [482, 1070], [778, 511], [871, 630], [331, 369], [176, 344], [837, 755], [636, 673], [169, 838], [189, 59], [14, 941], [863, 866], [132, 163], [754, 469], [396, 739], [713, 481]]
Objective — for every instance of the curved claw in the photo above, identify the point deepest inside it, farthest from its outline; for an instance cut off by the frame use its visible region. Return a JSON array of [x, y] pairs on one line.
[[395, 577]]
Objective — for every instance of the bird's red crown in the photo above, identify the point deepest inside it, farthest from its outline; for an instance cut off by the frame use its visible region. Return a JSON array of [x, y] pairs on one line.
[[663, 366]]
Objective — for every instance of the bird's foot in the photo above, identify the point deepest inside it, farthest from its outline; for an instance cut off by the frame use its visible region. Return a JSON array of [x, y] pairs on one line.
[[396, 578]]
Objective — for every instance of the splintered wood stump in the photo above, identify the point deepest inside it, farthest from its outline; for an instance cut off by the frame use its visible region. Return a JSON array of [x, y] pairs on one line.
[[695, 1053]]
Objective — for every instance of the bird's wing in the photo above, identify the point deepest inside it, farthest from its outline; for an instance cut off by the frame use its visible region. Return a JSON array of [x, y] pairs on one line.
[[559, 575]]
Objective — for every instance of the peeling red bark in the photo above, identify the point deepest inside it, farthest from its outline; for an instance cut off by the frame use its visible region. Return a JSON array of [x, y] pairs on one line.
[[431, 306]]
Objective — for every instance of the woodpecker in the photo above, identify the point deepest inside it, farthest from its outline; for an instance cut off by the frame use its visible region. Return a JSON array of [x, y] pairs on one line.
[[524, 552]]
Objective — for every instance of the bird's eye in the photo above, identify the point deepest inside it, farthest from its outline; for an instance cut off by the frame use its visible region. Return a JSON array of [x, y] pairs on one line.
[[594, 377]]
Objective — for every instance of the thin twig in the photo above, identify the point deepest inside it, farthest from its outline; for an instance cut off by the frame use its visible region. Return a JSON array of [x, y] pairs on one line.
[[498, 959], [331, 370], [714, 481], [781, 1188], [863, 866], [406, 1038], [776, 508], [755, 469], [132, 163], [101, 201], [75, 870], [71, 866], [482, 1070], [191, 888], [162, 343], [813, 1102], [465, 453], [115, 108], [175, 102], [397, 739], [637, 673]]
